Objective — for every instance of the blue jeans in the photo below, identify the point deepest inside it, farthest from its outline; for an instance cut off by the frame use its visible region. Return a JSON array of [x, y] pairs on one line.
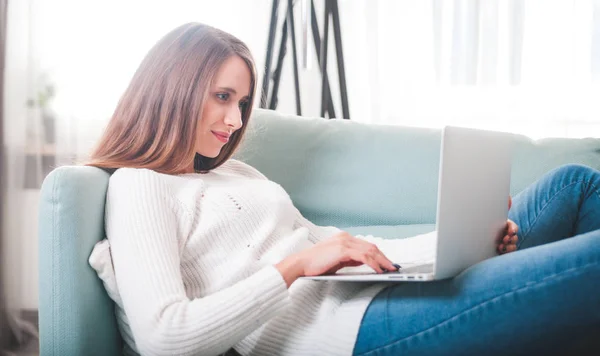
[[532, 301]]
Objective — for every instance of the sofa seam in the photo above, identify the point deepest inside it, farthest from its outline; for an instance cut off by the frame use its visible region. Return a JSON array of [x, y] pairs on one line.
[[480, 305]]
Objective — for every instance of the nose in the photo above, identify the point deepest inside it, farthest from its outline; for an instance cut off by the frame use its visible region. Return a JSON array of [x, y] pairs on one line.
[[233, 118]]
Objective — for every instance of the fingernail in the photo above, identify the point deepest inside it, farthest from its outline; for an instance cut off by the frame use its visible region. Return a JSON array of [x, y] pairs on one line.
[[503, 248], [397, 266]]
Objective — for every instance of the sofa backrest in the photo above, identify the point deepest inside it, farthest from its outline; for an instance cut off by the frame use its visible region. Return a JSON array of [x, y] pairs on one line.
[[345, 173], [76, 315]]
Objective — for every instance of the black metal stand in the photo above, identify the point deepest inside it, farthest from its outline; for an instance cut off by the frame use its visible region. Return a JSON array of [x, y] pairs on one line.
[[321, 48]]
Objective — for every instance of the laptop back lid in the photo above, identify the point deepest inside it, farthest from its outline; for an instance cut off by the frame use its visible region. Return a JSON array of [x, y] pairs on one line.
[[473, 191]]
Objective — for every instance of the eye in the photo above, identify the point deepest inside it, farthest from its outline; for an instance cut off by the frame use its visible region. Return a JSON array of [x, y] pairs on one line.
[[222, 96], [243, 104]]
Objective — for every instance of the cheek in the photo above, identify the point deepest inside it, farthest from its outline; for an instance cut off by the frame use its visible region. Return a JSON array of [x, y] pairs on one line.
[[211, 113], [204, 122]]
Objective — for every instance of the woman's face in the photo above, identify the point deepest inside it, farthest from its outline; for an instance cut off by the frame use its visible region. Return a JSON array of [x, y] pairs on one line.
[[222, 112]]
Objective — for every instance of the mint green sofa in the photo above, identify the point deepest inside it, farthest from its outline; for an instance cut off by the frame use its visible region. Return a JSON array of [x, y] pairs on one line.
[[363, 178]]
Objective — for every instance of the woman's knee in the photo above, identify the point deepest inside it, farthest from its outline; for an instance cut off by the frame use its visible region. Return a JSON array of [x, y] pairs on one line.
[[576, 172]]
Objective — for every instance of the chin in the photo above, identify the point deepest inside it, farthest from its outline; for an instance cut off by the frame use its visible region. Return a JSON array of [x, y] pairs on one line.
[[213, 154]]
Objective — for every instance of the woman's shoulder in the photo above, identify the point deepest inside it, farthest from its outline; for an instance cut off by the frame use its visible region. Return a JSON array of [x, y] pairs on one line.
[[129, 176], [142, 184], [147, 179], [143, 179]]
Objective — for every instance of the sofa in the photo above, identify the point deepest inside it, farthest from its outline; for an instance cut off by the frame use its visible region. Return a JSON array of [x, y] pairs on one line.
[[366, 179]]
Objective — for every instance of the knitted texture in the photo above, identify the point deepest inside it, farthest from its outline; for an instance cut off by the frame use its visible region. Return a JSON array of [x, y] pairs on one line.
[[189, 261]]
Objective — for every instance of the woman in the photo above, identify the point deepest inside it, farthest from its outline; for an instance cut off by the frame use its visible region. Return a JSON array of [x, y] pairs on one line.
[[203, 253]]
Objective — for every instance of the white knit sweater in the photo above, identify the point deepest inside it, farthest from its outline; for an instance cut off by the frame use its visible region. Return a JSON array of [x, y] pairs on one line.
[[190, 259]]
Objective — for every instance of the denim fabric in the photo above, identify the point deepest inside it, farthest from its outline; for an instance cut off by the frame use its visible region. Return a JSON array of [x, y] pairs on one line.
[[532, 301]]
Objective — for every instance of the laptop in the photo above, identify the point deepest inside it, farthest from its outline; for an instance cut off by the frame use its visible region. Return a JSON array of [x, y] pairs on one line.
[[472, 207]]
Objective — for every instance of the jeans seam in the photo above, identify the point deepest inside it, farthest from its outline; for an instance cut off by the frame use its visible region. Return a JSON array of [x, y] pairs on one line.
[[481, 305], [594, 188], [531, 226]]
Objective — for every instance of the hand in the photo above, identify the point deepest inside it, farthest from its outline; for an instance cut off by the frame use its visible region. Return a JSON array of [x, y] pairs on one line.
[[508, 243], [332, 254], [344, 250]]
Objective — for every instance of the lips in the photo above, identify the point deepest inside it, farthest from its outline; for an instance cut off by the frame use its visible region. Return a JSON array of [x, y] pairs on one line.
[[221, 136]]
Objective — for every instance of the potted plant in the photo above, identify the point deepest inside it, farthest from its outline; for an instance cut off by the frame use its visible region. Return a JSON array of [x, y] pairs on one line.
[[42, 101]]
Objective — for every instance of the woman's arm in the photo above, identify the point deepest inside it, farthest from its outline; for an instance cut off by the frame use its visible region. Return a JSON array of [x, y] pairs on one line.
[[142, 227], [316, 233]]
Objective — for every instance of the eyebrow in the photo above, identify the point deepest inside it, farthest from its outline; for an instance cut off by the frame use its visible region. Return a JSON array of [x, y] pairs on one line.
[[227, 89], [232, 91]]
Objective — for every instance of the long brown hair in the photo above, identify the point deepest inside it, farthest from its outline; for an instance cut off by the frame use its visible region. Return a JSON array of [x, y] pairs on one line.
[[154, 123]]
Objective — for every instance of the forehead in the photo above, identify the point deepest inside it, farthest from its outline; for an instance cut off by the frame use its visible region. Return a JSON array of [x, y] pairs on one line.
[[235, 74]]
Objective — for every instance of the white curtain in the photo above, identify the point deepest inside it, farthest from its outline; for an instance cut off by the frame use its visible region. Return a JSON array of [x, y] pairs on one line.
[[525, 66]]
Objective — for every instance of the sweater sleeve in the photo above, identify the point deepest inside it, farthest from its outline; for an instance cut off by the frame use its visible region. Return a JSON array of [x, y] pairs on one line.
[[143, 231], [316, 233]]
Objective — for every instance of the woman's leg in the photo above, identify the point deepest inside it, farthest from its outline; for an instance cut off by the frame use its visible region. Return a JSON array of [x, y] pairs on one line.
[[563, 203], [512, 304]]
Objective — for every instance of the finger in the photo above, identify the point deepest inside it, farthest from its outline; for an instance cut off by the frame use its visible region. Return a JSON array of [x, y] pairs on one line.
[[509, 202], [361, 251], [502, 249], [385, 263], [374, 264], [376, 254], [382, 259], [513, 228], [510, 239], [506, 248], [366, 259]]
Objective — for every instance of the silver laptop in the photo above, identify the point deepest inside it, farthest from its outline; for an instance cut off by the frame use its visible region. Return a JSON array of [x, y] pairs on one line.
[[472, 207]]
